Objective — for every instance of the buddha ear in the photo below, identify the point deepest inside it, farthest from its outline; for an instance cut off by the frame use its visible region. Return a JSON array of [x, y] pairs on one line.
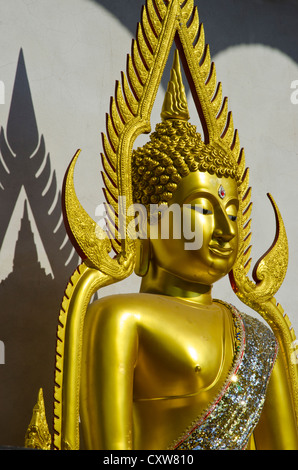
[[143, 255]]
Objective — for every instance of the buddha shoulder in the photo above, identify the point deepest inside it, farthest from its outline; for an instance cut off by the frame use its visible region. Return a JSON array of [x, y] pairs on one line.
[[164, 336], [144, 306], [162, 318]]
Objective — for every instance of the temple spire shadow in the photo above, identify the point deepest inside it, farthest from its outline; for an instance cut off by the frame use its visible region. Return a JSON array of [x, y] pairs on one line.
[[30, 297]]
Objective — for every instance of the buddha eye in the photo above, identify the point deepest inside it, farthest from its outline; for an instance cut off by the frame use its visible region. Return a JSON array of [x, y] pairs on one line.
[[206, 211], [202, 210], [232, 211]]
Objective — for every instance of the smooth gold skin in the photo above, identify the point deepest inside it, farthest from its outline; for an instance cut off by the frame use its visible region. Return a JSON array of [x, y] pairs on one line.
[[153, 361], [277, 428]]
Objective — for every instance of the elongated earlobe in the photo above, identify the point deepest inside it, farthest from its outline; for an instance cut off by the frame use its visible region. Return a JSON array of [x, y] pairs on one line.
[[142, 256]]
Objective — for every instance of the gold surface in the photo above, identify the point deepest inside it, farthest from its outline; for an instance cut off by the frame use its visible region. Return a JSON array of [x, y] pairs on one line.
[[140, 367], [153, 349], [167, 374], [175, 103], [38, 435]]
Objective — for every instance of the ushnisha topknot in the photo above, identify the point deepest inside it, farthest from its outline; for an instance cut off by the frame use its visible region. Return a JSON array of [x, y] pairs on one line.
[[175, 149], [175, 102]]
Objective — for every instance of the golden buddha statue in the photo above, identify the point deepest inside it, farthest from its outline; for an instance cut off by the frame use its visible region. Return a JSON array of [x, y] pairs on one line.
[[170, 367], [155, 361]]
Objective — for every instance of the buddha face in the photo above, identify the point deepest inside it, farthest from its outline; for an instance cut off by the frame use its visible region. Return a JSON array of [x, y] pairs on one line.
[[210, 205]]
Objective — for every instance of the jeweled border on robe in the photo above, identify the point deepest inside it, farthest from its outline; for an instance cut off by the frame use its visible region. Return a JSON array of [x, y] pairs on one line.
[[231, 418]]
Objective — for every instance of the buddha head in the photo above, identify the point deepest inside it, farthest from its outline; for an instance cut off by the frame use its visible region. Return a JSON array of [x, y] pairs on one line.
[[177, 169]]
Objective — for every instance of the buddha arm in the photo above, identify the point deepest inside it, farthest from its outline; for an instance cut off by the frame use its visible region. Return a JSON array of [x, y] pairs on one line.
[[107, 380], [277, 429]]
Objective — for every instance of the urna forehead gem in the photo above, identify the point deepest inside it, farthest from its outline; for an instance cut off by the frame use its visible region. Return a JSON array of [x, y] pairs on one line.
[[221, 192]]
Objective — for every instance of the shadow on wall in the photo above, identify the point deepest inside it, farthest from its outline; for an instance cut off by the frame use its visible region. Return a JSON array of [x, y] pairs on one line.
[[30, 297], [230, 23]]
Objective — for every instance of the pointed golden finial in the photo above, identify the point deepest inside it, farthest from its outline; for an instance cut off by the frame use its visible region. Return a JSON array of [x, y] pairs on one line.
[[37, 435], [175, 102]]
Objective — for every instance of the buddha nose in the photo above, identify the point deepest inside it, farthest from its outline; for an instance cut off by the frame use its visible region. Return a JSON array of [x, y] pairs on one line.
[[224, 230], [223, 236]]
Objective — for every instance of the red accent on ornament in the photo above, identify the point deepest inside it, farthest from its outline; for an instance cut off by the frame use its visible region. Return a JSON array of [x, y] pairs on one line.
[[221, 192]]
